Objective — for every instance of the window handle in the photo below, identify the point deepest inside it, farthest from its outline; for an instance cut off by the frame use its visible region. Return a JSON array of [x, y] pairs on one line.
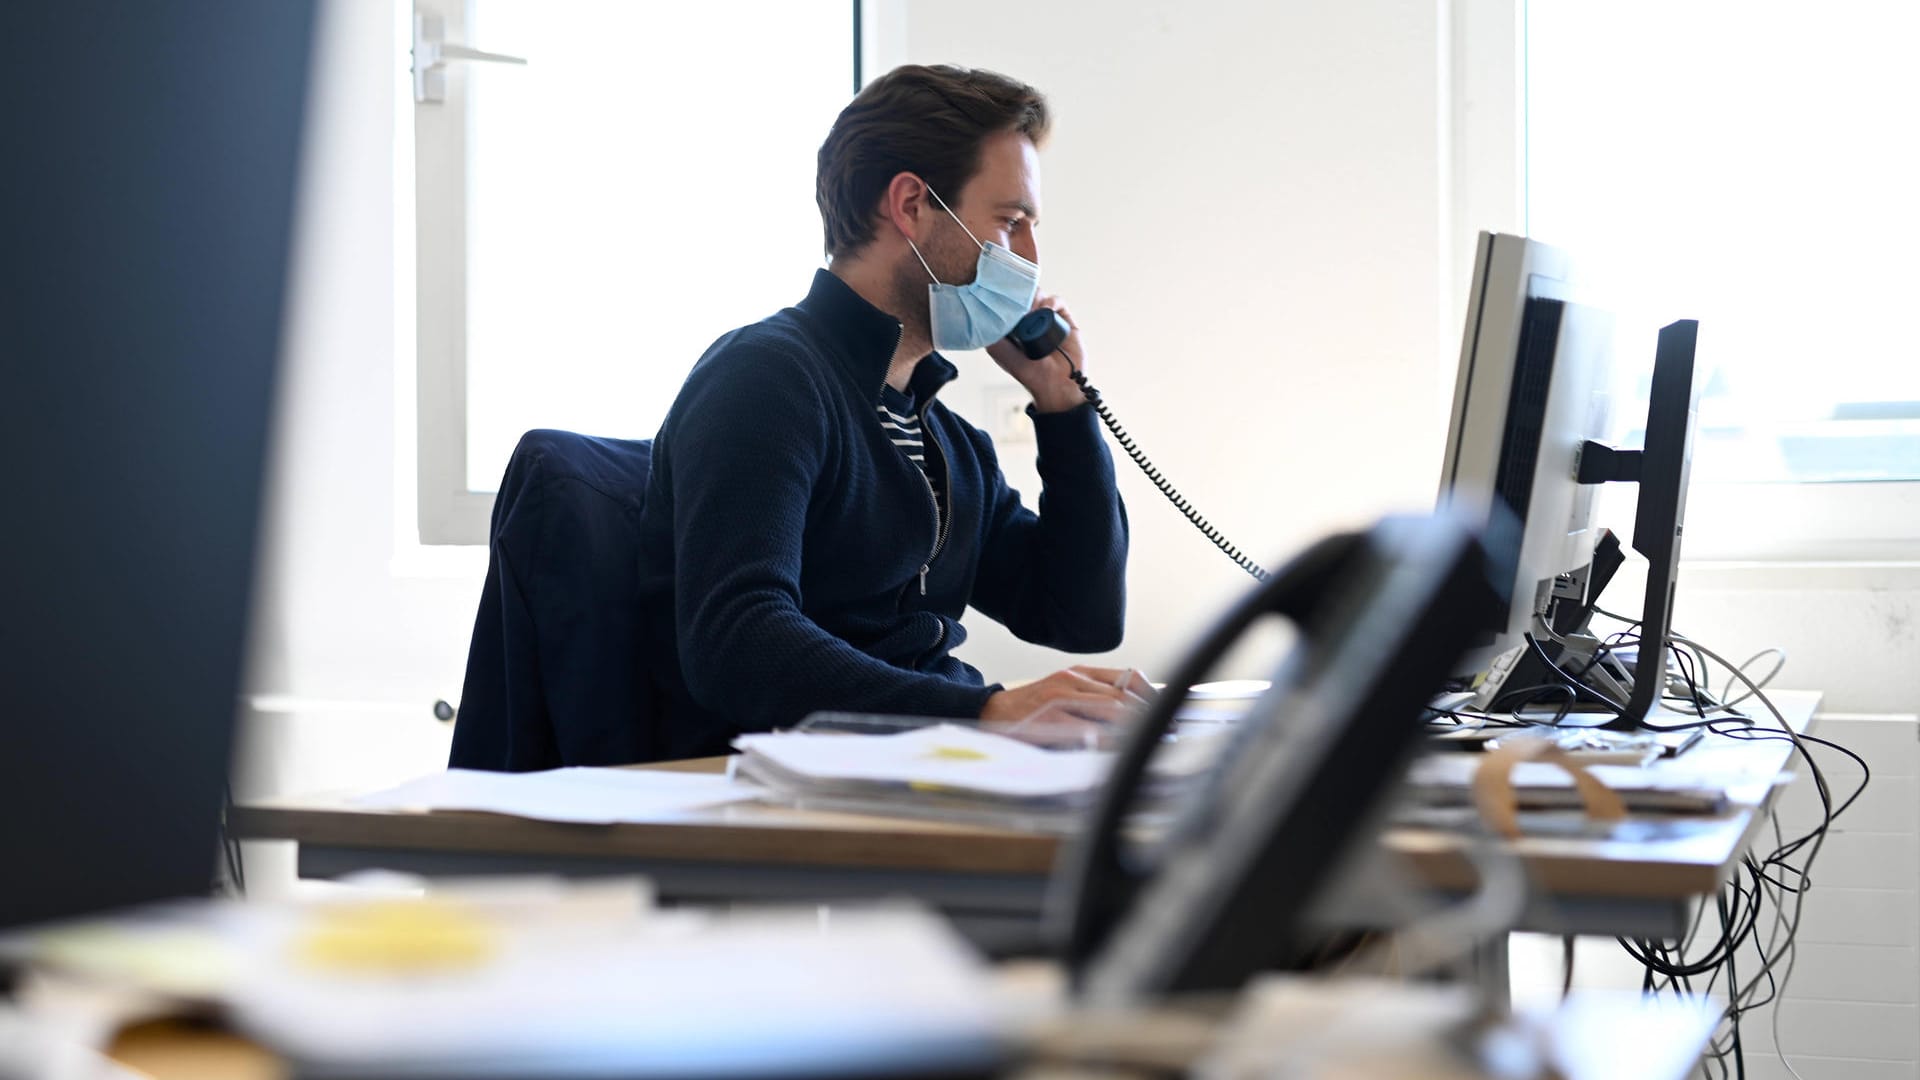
[[432, 53]]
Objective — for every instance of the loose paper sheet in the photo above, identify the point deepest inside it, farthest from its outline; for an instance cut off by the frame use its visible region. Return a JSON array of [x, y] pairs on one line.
[[944, 756], [581, 795]]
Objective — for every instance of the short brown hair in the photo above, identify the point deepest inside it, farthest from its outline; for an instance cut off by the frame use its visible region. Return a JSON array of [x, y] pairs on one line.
[[930, 121]]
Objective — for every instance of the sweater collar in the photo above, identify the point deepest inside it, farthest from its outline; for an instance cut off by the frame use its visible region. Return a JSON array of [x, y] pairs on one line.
[[863, 338]]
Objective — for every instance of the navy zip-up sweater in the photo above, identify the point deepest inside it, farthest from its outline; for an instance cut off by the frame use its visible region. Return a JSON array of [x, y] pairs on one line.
[[791, 558]]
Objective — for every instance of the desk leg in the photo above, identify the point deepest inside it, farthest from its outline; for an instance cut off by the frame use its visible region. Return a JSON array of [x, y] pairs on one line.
[[1493, 973]]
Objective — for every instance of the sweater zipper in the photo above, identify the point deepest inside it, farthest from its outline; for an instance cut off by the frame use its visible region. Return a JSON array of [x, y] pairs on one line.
[[939, 523]]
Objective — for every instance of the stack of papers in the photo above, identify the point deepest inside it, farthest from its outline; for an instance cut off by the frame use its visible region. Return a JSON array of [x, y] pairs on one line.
[[950, 772], [579, 795]]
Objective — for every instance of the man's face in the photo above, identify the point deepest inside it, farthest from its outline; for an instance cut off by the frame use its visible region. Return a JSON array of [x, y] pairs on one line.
[[1000, 205]]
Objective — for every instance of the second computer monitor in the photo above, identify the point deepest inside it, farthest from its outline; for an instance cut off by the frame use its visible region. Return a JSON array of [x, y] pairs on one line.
[[1535, 383]]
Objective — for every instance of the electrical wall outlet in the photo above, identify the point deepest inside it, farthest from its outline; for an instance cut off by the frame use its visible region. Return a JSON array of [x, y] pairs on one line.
[[1007, 414]]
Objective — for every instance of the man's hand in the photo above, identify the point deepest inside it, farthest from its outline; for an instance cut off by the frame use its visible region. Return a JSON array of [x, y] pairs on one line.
[[1046, 379], [1096, 695]]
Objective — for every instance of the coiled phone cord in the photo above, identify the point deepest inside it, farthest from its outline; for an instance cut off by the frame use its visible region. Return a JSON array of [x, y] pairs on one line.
[[1159, 480]]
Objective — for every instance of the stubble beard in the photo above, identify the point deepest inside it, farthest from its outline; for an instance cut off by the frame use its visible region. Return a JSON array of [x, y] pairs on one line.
[[908, 296], [911, 303]]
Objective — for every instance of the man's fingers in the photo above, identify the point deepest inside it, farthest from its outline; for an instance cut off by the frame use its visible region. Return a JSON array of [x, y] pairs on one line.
[[1079, 694], [1080, 682], [1126, 679], [1058, 727], [1104, 709], [1050, 300]]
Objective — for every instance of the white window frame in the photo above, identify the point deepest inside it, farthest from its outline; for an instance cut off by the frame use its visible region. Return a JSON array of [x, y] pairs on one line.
[[1771, 523], [449, 512]]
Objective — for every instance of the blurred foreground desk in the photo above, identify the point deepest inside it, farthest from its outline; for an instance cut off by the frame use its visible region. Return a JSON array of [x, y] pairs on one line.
[[1277, 1027], [992, 883]]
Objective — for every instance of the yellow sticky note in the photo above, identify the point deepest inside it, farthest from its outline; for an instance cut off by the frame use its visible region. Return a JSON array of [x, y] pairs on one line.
[[396, 936]]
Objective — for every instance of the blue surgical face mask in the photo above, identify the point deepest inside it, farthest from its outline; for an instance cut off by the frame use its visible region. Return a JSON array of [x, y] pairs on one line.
[[981, 312]]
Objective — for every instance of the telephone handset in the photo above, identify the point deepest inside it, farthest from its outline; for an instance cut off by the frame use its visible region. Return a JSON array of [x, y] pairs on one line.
[[1041, 333], [1227, 888]]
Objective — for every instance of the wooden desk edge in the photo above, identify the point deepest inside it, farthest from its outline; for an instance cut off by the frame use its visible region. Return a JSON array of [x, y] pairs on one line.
[[904, 844], [889, 845], [984, 852]]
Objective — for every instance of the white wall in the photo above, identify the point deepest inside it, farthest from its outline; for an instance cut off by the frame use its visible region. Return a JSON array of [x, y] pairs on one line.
[[1849, 629], [1852, 1008], [1242, 204]]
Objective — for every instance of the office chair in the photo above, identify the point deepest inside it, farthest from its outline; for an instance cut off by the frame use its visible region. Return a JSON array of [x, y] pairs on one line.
[[555, 674]]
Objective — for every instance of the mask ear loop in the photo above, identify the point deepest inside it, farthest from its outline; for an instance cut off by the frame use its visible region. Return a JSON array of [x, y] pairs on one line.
[[923, 260], [916, 247], [954, 216]]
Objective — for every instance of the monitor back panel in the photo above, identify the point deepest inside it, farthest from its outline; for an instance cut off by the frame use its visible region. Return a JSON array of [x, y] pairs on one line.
[[145, 213]]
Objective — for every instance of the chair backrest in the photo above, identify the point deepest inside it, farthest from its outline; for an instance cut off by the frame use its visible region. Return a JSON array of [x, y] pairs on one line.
[[555, 674]]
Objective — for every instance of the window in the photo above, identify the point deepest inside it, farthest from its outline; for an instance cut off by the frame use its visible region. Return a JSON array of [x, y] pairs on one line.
[[1748, 165], [588, 222]]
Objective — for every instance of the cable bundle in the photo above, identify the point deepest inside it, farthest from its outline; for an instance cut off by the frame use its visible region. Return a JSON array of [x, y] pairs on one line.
[[1750, 957], [1780, 880]]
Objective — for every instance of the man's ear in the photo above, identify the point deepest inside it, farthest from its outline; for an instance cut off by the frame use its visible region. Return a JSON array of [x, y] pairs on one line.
[[905, 204]]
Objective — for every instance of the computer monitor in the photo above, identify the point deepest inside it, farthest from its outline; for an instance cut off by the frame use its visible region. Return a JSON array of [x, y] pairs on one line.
[[145, 217], [1526, 450], [1535, 384], [1662, 470]]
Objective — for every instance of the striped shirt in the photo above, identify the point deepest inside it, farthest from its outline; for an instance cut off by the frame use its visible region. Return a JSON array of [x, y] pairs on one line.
[[902, 425]]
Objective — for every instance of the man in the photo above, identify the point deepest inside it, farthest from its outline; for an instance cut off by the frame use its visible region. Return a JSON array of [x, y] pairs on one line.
[[817, 520]]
